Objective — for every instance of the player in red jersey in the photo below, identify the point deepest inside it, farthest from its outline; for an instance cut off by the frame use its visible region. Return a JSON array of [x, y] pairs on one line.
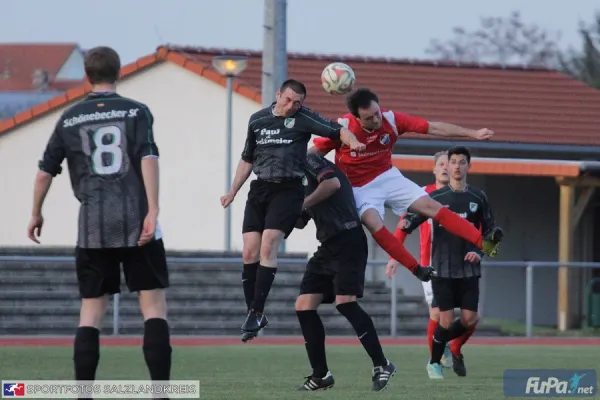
[[377, 183]]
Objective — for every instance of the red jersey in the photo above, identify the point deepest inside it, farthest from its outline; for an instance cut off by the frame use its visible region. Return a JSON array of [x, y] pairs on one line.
[[425, 233], [364, 166]]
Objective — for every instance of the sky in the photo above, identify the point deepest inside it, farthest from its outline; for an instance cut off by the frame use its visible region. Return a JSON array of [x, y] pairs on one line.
[[389, 28]]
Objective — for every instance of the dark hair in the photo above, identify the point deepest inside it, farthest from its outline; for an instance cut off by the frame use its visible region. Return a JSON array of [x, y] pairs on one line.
[[295, 85], [460, 150], [102, 65], [360, 98]]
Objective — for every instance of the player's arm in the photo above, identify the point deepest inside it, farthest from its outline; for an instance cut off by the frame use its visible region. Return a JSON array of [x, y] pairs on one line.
[[325, 176], [147, 152], [316, 124], [244, 167], [407, 123], [49, 166]]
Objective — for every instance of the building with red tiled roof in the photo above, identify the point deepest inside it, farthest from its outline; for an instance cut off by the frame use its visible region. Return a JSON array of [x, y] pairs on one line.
[[542, 120], [31, 73]]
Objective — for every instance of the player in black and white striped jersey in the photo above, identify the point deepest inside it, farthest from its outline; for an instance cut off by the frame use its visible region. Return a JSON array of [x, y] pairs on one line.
[[108, 142]]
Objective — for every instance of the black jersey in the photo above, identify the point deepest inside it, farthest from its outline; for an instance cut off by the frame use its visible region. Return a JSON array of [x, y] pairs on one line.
[[104, 139], [277, 146], [447, 250], [337, 213]]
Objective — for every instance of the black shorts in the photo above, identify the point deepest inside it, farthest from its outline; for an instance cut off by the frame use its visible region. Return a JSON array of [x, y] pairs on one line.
[[273, 205], [99, 270], [451, 293], [338, 267]]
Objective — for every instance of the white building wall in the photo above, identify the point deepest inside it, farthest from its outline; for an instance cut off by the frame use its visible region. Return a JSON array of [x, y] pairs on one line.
[[189, 113]]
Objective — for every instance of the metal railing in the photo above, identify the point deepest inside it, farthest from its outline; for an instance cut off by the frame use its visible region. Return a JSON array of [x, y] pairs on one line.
[[529, 267]]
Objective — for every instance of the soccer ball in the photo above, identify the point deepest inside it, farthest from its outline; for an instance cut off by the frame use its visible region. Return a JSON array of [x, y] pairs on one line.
[[337, 78]]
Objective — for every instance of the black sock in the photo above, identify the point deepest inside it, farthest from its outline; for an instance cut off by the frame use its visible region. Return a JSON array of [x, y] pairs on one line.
[[438, 344], [365, 330], [157, 349], [457, 329], [249, 282], [86, 353], [314, 338], [264, 281]]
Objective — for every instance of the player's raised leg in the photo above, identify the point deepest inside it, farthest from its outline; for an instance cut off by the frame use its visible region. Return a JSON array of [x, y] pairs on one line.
[[456, 225], [372, 218], [313, 332], [283, 209], [252, 229], [251, 260]]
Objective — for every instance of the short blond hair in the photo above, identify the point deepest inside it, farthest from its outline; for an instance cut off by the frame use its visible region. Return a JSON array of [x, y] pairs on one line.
[[437, 155]]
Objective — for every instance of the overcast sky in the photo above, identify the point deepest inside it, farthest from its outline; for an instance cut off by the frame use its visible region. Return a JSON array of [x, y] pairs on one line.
[[401, 28]]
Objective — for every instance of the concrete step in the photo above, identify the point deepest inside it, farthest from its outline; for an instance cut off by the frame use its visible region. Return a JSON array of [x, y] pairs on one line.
[[198, 310], [177, 280], [65, 296]]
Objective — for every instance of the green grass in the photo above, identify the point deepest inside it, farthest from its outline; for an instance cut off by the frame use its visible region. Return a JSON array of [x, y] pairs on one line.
[[273, 372]]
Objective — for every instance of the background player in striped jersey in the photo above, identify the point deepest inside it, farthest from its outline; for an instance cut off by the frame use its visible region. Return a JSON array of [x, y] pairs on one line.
[[376, 182], [457, 262], [108, 142], [440, 171]]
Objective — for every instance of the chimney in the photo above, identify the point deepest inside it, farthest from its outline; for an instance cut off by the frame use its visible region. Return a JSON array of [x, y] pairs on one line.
[[41, 80], [6, 74]]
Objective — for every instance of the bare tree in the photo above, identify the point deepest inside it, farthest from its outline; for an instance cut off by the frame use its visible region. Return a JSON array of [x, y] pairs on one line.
[[584, 65], [503, 40]]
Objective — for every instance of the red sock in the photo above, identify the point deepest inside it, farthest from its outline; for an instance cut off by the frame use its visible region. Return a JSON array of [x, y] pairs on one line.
[[400, 235], [430, 329], [394, 248], [457, 344], [458, 226]]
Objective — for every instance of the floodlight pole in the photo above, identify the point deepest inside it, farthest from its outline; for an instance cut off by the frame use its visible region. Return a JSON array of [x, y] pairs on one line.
[[228, 151]]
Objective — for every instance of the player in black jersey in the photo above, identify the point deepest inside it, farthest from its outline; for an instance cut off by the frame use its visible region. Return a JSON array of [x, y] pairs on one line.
[[108, 142], [456, 261], [275, 150], [336, 272]]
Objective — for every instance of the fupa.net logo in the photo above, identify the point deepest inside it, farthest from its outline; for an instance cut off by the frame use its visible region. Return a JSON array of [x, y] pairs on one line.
[[555, 386]]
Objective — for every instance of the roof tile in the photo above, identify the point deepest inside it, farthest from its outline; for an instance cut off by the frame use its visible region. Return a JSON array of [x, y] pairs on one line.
[[528, 105]]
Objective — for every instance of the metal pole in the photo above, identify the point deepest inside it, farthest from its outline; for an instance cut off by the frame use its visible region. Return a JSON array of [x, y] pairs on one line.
[[116, 313], [393, 308], [228, 160], [529, 301]]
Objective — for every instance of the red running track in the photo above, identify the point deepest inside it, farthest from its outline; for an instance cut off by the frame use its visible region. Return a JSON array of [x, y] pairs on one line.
[[229, 341]]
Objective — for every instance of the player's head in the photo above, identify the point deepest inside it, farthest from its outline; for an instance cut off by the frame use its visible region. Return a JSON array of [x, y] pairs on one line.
[[102, 65], [364, 105], [459, 162], [289, 97], [440, 167]]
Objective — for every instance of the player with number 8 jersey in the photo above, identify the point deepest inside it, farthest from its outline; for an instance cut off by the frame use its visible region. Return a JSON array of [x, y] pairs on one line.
[[109, 146], [105, 137]]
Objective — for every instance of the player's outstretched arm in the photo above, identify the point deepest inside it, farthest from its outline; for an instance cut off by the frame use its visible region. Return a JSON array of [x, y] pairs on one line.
[[350, 140], [444, 129]]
